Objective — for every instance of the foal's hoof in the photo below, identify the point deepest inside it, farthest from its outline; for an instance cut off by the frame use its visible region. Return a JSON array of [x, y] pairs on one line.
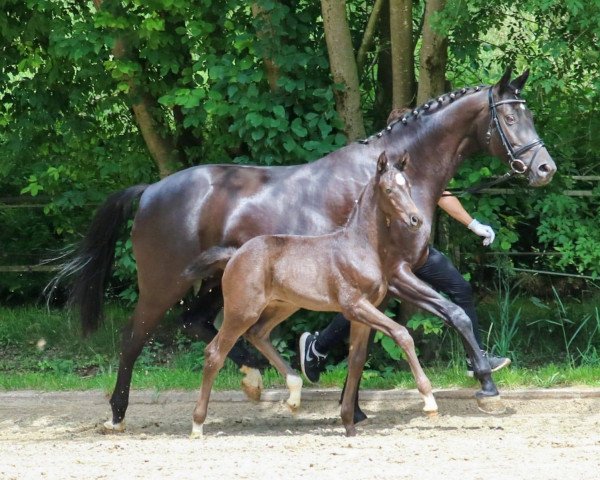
[[293, 405], [110, 427], [197, 430], [252, 383], [492, 405], [430, 408], [350, 430]]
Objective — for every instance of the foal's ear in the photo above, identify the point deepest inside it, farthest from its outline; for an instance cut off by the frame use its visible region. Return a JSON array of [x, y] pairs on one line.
[[382, 163], [504, 82], [518, 83], [403, 162]]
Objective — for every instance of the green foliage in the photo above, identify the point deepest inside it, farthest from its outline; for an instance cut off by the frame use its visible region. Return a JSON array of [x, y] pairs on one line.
[[228, 84], [569, 226], [579, 335], [504, 326], [553, 39]]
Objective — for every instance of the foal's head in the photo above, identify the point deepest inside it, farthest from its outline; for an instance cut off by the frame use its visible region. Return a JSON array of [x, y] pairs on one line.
[[394, 188]]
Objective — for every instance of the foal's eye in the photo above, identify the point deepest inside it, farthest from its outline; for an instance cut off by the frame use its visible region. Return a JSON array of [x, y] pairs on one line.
[[510, 119], [388, 190]]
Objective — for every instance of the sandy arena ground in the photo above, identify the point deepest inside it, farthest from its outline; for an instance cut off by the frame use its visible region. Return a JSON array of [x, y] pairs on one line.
[[545, 434]]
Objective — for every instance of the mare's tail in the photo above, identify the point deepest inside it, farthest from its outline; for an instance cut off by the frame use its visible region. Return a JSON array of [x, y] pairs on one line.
[[93, 258], [209, 263]]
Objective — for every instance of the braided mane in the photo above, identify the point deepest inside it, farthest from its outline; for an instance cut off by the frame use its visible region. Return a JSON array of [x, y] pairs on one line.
[[404, 116]]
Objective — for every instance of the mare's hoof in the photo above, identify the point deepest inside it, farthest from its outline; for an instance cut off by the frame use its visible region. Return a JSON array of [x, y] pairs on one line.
[[350, 430], [492, 405], [252, 383], [110, 427], [431, 413]]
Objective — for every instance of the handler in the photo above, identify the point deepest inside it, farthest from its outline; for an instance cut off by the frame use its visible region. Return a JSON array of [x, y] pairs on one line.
[[438, 271]]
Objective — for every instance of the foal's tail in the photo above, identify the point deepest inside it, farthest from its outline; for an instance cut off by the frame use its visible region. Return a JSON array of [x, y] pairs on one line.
[[209, 263], [93, 257]]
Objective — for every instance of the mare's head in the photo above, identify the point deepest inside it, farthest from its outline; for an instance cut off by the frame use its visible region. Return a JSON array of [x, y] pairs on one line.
[[394, 189], [511, 134]]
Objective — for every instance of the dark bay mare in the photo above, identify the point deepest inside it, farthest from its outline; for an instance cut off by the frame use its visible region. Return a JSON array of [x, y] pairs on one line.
[[226, 205], [272, 276]]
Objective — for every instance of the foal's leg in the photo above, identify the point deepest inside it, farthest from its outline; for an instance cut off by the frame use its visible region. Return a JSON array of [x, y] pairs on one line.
[[198, 322], [259, 336], [359, 415], [364, 312], [214, 358], [359, 340], [405, 285]]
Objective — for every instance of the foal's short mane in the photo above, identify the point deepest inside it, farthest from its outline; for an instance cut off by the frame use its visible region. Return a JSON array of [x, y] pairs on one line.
[[430, 107]]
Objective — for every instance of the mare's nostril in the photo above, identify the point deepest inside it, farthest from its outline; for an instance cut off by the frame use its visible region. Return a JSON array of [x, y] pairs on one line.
[[544, 167]]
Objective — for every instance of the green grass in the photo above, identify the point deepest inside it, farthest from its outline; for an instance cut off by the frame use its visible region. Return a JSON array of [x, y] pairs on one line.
[[163, 378], [43, 350]]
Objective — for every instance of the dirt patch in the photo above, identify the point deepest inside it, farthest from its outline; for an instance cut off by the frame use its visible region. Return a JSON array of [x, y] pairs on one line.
[[543, 435]]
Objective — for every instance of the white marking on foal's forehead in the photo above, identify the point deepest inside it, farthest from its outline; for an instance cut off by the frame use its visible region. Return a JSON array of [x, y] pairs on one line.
[[522, 106], [400, 180]]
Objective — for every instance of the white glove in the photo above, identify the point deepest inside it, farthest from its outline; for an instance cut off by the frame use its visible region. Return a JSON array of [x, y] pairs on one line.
[[483, 231]]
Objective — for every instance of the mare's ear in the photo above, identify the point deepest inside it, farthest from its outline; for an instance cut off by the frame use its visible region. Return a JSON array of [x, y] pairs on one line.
[[382, 163], [504, 82], [403, 162], [518, 83]]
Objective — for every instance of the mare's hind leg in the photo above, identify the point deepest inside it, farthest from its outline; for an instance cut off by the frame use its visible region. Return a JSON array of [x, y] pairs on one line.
[[198, 322], [142, 324], [259, 334]]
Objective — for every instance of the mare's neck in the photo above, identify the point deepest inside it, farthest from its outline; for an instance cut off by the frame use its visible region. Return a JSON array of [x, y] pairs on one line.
[[438, 140]]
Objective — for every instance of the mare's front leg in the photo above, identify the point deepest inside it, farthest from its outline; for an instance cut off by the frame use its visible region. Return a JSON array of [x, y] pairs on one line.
[[357, 355], [405, 285], [198, 322], [259, 336]]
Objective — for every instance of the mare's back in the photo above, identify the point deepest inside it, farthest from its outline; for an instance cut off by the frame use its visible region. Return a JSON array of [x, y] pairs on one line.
[[229, 204]]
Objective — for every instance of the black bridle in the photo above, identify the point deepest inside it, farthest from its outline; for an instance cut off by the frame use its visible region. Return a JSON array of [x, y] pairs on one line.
[[517, 165]]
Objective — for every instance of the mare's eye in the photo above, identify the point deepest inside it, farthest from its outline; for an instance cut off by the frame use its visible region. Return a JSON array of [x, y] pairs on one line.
[[510, 119], [388, 190]]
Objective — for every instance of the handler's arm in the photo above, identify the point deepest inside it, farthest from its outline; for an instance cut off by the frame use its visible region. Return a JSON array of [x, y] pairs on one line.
[[452, 206]]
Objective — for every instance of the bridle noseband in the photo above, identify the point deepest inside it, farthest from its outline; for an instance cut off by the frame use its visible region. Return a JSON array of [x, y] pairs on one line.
[[517, 165]]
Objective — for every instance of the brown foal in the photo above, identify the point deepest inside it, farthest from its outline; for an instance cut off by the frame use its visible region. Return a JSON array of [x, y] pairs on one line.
[[272, 276]]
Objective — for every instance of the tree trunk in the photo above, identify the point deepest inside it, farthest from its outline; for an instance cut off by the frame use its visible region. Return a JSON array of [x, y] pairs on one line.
[[343, 67], [403, 70], [384, 90], [433, 56], [265, 37], [161, 147]]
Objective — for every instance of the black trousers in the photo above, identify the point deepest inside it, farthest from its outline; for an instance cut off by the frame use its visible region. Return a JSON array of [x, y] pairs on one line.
[[439, 272]]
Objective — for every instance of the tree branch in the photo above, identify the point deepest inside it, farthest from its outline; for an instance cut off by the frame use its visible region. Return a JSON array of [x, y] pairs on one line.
[[161, 148], [367, 39]]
